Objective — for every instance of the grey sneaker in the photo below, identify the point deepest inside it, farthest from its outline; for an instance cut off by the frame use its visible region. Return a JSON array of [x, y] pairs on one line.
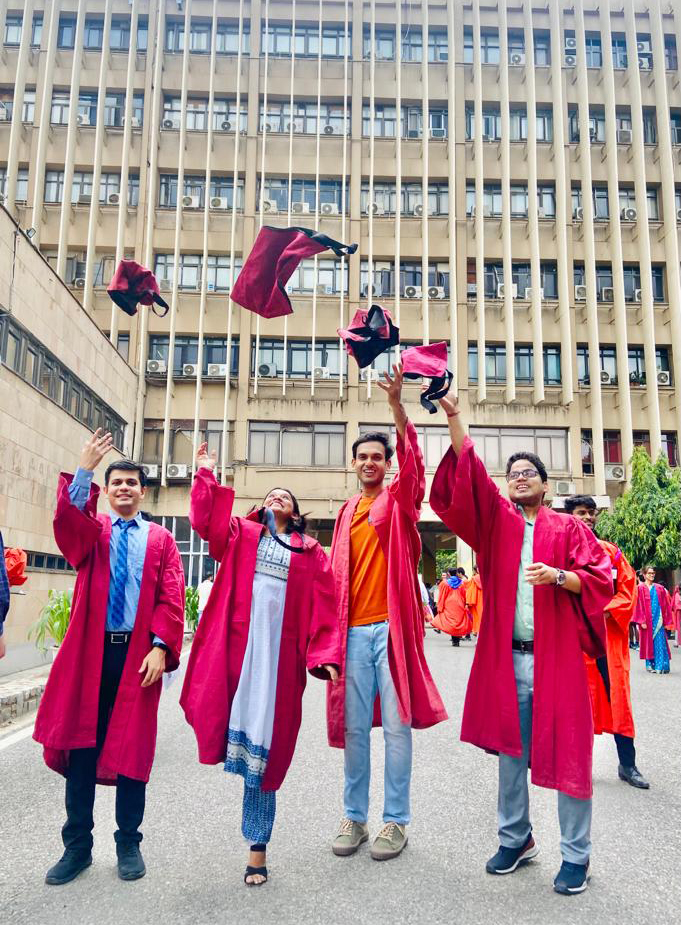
[[389, 842], [350, 836]]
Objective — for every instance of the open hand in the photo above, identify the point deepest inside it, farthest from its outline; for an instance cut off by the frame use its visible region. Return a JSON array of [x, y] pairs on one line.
[[392, 385], [333, 671], [450, 404], [153, 666], [204, 459], [540, 574], [95, 449]]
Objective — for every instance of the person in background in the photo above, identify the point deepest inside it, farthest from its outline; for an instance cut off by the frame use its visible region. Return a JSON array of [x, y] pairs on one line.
[[653, 612], [4, 597], [452, 617], [204, 590], [474, 600], [676, 614]]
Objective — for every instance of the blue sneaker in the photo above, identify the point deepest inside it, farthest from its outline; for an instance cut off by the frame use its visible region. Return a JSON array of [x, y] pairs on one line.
[[506, 860], [571, 878]]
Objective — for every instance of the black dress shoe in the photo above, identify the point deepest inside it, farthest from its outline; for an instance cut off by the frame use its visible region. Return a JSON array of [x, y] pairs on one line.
[[130, 862], [68, 867], [633, 776]]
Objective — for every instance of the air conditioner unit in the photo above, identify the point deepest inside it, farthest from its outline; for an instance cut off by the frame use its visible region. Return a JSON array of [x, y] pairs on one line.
[[578, 214], [190, 370], [157, 366], [570, 42], [644, 64], [438, 132], [487, 211], [329, 208], [82, 119], [528, 295], [641, 46], [563, 487], [664, 377], [678, 216], [369, 375], [471, 214], [329, 130], [169, 123], [191, 202], [219, 202], [580, 293], [418, 210], [84, 199], [412, 292], [270, 205], [606, 378], [321, 372], [135, 122], [570, 61], [413, 133], [113, 199], [150, 470], [501, 291], [267, 370], [323, 289], [471, 290], [300, 208], [376, 290], [541, 212], [376, 209], [176, 471], [624, 136], [615, 473], [217, 369], [607, 294], [628, 214], [165, 285], [517, 59], [79, 282], [637, 295], [436, 292], [593, 134], [4, 114], [226, 125]]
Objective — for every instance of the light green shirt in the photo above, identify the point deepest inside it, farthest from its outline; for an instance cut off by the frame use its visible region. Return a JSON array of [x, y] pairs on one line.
[[523, 624]]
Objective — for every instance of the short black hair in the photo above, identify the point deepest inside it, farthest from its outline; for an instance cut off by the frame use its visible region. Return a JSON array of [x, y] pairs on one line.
[[531, 458], [461, 571], [374, 437], [452, 572], [127, 465], [580, 501]]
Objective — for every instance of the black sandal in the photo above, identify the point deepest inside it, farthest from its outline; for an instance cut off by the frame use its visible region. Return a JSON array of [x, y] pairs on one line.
[[255, 870]]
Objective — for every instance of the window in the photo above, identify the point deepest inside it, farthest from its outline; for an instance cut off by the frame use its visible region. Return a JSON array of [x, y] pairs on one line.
[[174, 35], [468, 45], [644, 51], [277, 38], [21, 190], [119, 33], [383, 278], [641, 438], [114, 109], [81, 190], [218, 271], [66, 34], [385, 121], [28, 107], [297, 358], [603, 281], [384, 43], [93, 33], [142, 34], [489, 46], [671, 61], [619, 51], [587, 453], [594, 54], [13, 24], [37, 34], [600, 203], [60, 108], [54, 185], [649, 127], [546, 200], [327, 279], [438, 45], [637, 365], [670, 447], [200, 37], [412, 44], [612, 446], [653, 204], [516, 42], [607, 360], [302, 191], [296, 445], [542, 48], [187, 351], [227, 38], [496, 444], [491, 123]]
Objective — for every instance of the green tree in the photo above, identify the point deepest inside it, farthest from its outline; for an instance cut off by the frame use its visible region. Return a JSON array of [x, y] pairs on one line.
[[444, 559], [645, 521]]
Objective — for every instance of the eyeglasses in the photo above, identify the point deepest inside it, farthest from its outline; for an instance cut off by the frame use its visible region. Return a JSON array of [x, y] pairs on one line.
[[521, 473]]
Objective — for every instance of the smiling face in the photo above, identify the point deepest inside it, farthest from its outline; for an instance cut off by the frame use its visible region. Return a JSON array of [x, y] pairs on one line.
[[586, 515], [125, 492], [649, 576], [281, 502], [523, 488], [370, 463]]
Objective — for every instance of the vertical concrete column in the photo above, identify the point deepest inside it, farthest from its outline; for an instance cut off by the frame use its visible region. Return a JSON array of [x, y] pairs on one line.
[[316, 181], [479, 210], [506, 232], [343, 360], [452, 219], [398, 158], [44, 128], [425, 166], [17, 108]]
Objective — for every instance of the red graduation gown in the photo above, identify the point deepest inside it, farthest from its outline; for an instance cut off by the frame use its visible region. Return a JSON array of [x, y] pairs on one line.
[[644, 615], [394, 515], [452, 616], [67, 716], [309, 635], [566, 625]]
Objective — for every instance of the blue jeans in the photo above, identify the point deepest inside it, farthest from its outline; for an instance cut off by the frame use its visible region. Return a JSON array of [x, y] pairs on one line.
[[367, 673], [574, 815]]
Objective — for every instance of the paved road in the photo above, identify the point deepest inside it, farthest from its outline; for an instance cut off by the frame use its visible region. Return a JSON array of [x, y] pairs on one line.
[[195, 856]]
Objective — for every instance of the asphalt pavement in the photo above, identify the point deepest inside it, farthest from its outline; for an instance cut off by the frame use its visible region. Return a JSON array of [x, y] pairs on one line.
[[195, 855]]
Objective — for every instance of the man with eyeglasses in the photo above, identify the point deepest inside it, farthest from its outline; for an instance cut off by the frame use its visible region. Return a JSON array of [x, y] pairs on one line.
[[547, 583]]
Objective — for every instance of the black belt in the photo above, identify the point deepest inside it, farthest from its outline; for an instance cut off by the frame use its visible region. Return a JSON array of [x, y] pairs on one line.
[[524, 646], [117, 639]]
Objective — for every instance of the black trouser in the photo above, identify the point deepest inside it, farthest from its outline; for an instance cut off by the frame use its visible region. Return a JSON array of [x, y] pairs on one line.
[[82, 769], [625, 744]]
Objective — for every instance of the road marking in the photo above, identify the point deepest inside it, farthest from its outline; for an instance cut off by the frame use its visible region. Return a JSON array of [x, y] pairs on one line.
[[6, 741]]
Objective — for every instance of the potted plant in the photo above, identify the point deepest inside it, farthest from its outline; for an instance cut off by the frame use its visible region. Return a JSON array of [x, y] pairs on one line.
[[53, 621], [191, 609]]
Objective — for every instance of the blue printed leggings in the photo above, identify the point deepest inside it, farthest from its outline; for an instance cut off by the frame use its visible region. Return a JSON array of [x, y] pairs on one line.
[[257, 820]]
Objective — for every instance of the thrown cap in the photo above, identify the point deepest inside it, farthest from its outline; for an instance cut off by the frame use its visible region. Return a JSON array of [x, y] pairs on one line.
[[133, 283], [430, 362], [370, 333]]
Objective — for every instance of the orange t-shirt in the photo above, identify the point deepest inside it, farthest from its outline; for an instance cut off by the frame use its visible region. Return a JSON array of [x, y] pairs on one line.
[[368, 570]]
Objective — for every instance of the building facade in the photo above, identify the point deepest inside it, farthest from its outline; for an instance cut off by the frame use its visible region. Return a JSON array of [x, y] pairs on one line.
[[511, 172]]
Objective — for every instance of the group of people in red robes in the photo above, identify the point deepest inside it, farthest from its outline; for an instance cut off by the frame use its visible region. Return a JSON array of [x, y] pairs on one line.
[[551, 650]]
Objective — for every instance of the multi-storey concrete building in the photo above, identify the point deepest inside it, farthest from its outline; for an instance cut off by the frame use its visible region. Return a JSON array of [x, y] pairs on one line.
[[510, 171]]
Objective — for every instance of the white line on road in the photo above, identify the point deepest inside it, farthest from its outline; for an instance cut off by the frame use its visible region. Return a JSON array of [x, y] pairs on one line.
[[6, 741]]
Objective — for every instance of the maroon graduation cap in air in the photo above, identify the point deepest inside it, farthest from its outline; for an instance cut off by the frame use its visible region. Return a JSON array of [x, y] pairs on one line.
[[370, 333], [430, 362], [133, 283], [260, 287]]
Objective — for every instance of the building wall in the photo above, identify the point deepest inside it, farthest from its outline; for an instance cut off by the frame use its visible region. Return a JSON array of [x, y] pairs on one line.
[[551, 62], [38, 437]]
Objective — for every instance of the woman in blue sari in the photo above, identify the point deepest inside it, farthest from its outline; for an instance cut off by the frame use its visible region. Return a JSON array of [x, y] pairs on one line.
[[653, 613]]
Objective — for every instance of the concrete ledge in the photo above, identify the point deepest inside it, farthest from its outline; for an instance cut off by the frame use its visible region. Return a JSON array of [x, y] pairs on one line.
[[21, 693]]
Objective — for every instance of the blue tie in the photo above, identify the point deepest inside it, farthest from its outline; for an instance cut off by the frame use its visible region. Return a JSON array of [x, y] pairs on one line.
[[120, 575]]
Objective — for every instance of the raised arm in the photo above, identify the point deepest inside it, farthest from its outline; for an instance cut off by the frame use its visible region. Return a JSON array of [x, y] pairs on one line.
[[210, 508], [408, 487]]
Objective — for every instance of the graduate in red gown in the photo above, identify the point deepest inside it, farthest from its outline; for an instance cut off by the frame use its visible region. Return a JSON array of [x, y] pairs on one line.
[[653, 613], [97, 717], [547, 582], [270, 617], [609, 675], [474, 600], [452, 616], [676, 614]]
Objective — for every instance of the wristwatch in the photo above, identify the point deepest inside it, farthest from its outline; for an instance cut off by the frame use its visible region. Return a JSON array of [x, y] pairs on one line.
[[560, 578]]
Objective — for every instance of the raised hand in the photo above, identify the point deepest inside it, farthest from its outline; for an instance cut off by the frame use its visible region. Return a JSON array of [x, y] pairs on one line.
[[95, 449], [204, 459], [450, 404]]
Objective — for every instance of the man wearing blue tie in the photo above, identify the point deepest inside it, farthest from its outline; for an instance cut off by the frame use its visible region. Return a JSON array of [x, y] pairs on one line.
[[97, 718]]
